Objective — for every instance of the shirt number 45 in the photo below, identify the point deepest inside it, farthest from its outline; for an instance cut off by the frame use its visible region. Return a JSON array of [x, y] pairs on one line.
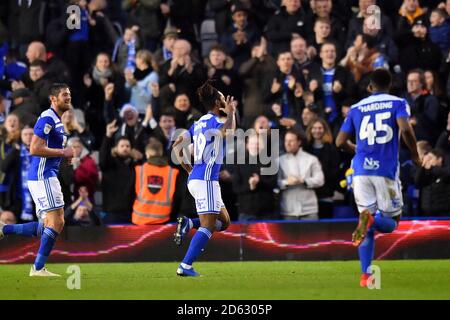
[[378, 132]]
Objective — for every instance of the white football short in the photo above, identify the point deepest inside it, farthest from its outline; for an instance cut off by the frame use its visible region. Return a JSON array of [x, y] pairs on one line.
[[47, 195], [207, 195], [378, 193]]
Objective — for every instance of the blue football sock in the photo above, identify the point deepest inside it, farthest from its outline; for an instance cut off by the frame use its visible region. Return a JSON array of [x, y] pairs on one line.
[[384, 224], [48, 240], [197, 244], [366, 250], [195, 223], [31, 229]]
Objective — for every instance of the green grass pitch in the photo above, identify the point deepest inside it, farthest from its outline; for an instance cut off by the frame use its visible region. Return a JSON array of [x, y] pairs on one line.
[[406, 279]]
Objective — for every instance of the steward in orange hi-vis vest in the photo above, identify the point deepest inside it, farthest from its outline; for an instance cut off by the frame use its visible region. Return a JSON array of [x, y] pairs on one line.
[[155, 188]]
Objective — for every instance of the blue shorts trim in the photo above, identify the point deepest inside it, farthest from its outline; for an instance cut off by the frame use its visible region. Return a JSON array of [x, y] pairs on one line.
[[209, 211], [49, 209], [48, 190]]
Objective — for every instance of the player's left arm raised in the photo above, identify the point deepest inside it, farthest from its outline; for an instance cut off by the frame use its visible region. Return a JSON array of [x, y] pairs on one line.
[[230, 111]]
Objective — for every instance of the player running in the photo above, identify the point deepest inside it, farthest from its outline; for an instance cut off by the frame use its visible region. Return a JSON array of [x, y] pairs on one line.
[[207, 134], [47, 148], [377, 122]]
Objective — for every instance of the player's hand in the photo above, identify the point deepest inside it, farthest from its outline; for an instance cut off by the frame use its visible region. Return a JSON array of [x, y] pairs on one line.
[[111, 128], [230, 106], [328, 110], [68, 153]]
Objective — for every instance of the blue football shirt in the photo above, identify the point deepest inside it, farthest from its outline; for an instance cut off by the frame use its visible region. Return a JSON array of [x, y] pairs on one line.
[[50, 128], [208, 148], [373, 121]]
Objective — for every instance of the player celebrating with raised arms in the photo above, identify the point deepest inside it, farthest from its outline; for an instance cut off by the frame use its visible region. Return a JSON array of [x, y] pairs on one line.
[[208, 138], [377, 121], [47, 149]]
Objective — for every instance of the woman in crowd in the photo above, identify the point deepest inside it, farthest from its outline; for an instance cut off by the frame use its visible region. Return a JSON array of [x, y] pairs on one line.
[[320, 144], [17, 163], [85, 168], [138, 82], [9, 136]]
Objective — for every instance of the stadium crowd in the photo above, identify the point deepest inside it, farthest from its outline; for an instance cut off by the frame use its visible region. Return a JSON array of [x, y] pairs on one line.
[[133, 67]]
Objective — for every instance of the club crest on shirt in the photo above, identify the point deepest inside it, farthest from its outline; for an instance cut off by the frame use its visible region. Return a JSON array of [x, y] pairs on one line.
[[47, 128], [154, 183]]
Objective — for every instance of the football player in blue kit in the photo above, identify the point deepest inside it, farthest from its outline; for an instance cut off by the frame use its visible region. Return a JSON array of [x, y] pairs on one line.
[[207, 135], [377, 121], [47, 149]]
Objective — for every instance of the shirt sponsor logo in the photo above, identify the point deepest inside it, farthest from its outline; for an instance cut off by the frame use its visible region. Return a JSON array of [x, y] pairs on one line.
[[371, 164]]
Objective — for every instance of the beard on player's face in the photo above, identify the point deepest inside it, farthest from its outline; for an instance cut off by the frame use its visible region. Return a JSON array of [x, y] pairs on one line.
[[64, 104]]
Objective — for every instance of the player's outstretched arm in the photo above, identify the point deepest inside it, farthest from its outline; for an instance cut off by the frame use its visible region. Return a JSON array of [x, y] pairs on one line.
[[409, 138], [230, 110], [343, 142], [39, 148], [178, 149]]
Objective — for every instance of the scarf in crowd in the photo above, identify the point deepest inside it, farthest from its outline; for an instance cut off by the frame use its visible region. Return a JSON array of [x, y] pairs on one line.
[[101, 76], [131, 55], [166, 54], [27, 201], [141, 74]]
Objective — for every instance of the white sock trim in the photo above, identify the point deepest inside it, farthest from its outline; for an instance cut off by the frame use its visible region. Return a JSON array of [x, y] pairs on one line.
[[186, 266]]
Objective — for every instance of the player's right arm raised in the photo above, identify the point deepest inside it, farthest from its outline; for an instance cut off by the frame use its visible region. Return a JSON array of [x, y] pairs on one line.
[[409, 138], [182, 159], [39, 148]]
